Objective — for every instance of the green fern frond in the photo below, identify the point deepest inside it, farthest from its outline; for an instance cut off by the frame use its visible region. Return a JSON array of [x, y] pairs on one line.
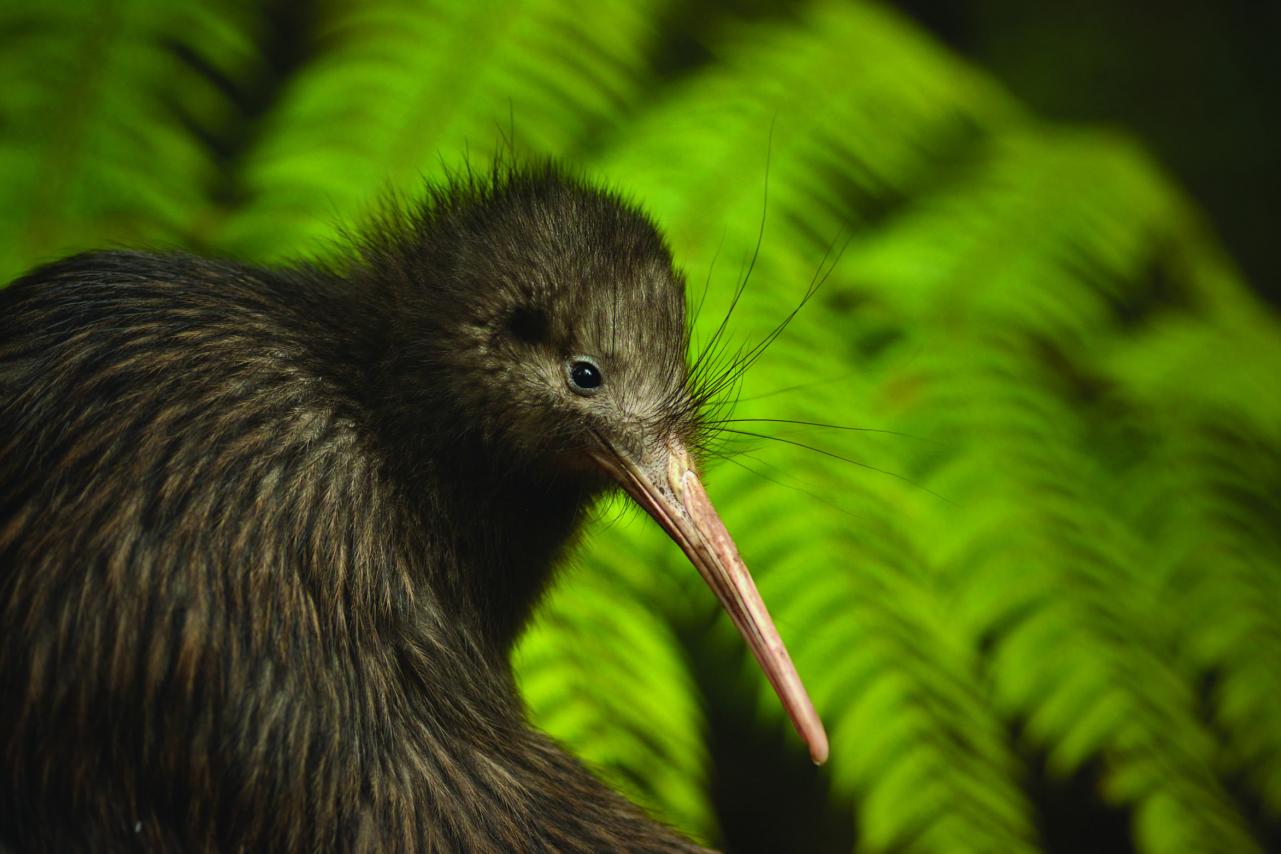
[[1063, 552], [604, 673], [394, 90], [100, 107]]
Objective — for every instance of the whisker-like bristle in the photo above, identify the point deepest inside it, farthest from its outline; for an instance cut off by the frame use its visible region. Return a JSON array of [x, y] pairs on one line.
[[833, 455]]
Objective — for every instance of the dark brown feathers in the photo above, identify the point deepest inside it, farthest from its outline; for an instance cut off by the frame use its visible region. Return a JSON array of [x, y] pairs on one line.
[[267, 536]]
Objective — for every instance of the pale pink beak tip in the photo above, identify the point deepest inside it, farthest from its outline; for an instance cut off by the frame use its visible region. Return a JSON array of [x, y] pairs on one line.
[[670, 491]]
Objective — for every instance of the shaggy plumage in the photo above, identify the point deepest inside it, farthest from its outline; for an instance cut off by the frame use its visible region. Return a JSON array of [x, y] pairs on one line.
[[267, 536]]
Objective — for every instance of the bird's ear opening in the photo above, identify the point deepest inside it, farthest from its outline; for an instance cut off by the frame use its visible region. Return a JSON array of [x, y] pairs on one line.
[[528, 325]]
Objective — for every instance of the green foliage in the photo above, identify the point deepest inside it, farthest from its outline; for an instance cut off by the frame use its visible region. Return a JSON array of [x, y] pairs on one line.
[[1060, 572]]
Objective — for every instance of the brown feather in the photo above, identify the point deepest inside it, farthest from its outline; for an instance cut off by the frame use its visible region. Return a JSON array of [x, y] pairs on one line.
[[246, 597]]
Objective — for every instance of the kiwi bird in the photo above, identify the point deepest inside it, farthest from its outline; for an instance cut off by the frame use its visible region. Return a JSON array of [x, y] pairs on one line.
[[267, 536]]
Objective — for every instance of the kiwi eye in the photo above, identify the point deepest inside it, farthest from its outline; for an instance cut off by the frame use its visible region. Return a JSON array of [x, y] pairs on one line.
[[584, 377]]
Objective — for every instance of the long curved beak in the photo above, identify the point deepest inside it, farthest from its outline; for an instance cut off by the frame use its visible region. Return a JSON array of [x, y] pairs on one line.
[[669, 489]]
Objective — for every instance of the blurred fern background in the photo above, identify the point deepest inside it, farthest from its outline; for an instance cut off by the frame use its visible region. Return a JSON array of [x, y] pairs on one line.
[[1041, 611]]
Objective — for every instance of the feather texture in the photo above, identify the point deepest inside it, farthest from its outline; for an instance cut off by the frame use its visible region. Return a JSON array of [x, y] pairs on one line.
[[1090, 606]]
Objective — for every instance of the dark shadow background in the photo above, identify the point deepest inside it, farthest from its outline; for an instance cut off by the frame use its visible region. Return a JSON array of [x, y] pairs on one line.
[[1199, 82]]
